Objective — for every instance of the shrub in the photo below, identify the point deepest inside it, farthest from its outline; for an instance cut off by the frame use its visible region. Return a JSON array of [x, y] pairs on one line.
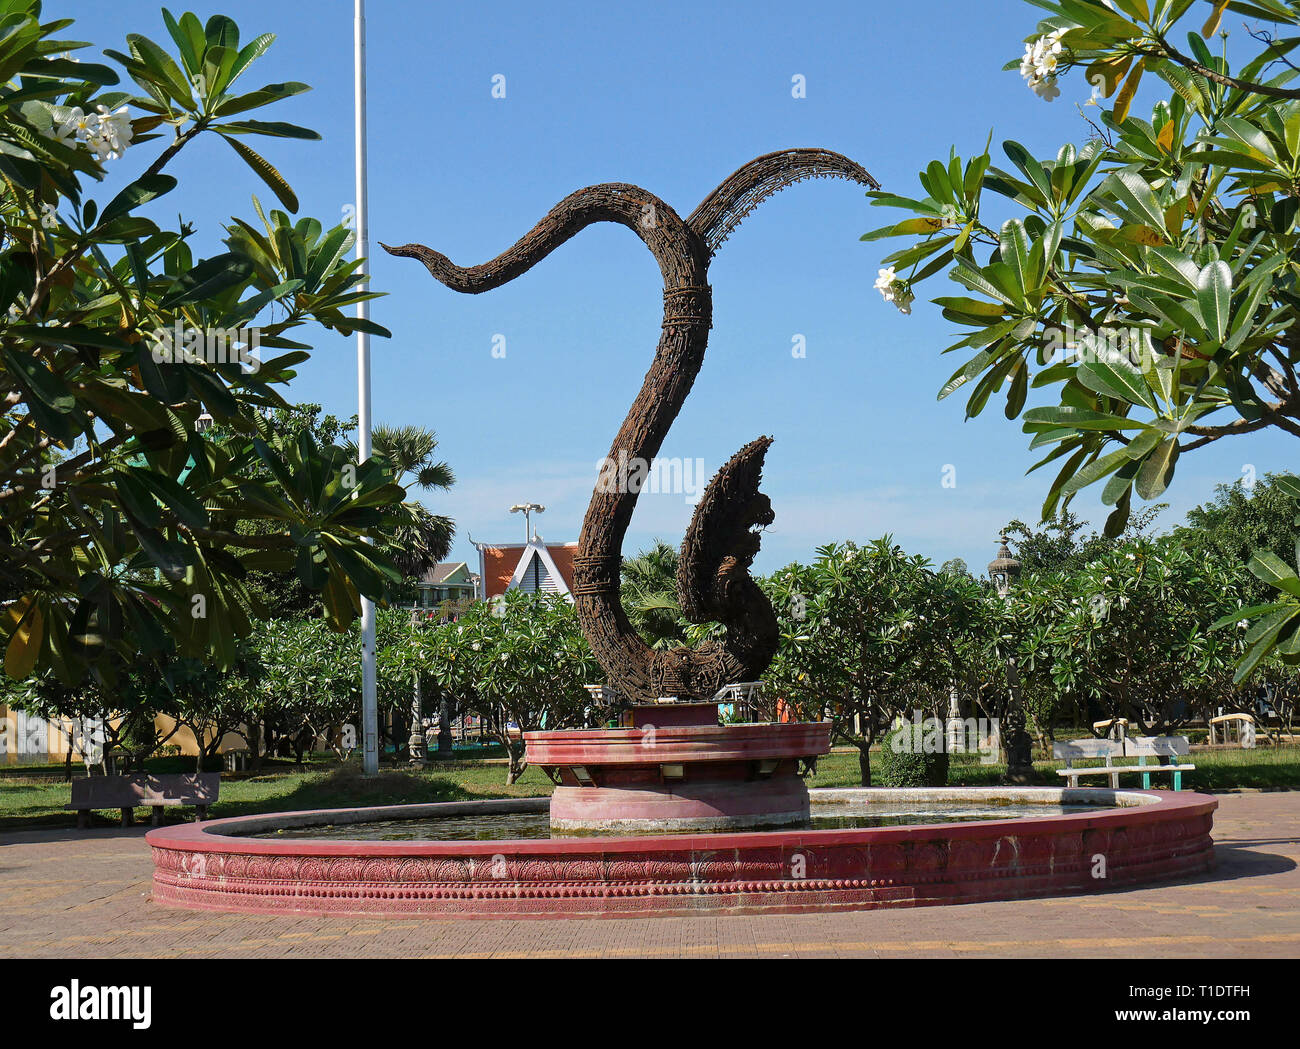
[[904, 762]]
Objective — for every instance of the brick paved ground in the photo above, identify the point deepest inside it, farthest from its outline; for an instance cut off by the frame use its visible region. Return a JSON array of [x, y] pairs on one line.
[[67, 894]]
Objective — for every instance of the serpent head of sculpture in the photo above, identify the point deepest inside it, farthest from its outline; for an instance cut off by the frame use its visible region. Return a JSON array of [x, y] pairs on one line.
[[713, 581]]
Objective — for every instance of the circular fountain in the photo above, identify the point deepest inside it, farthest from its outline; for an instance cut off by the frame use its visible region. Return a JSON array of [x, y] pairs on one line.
[[614, 839], [1104, 839]]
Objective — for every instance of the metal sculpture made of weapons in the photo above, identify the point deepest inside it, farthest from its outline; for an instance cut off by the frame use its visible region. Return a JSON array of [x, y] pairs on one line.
[[713, 581]]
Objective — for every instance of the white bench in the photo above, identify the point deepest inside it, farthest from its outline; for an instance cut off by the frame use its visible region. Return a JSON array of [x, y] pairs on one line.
[[1243, 723], [1140, 747]]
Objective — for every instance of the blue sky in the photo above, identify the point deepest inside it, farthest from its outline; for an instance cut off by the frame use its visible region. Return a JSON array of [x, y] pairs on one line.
[[672, 96]]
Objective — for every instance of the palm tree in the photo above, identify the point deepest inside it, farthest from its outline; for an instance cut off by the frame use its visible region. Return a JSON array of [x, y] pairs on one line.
[[422, 539], [410, 450], [649, 593]]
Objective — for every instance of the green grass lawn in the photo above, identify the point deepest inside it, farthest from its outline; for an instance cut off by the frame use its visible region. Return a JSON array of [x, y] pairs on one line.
[[34, 797], [1229, 769], [27, 802]]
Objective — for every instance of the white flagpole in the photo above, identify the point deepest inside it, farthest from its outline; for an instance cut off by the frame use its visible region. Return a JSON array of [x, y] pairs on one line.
[[369, 706]]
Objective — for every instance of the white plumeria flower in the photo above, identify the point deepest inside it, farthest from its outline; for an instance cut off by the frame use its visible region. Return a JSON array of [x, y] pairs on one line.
[[48, 217], [79, 125], [1131, 557], [105, 133], [1046, 89], [1040, 62], [115, 129], [885, 283]]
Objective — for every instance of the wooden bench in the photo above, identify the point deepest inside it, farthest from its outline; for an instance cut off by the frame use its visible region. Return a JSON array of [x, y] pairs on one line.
[[1140, 747], [127, 793]]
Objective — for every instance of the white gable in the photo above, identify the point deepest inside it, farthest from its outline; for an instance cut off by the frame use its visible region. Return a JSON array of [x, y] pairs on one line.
[[537, 573]]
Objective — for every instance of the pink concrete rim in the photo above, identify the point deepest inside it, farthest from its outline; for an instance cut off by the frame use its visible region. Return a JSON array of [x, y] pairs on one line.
[[1156, 836], [676, 744], [208, 836]]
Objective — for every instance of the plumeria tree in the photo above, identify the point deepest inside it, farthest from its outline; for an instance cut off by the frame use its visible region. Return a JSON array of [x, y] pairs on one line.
[[867, 632], [1143, 282], [1128, 634], [300, 690], [518, 662], [117, 516]]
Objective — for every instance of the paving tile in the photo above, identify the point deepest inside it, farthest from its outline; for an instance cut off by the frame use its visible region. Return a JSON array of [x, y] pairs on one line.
[[68, 894]]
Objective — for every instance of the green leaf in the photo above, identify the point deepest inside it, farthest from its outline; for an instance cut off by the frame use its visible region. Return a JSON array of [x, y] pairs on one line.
[[187, 34], [181, 502], [1080, 418], [261, 97], [1288, 484], [1115, 376], [1214, 296], [1118, 517], [279, 129], [26, 634], [1120, 487], [143, 189], [1265, 641], [1244, 614], [1157, 470], [1033, 170], [1270, 568], [267, 173], [43, 383], [1015, 253], [1098, 468], [1130, 190], [209, 278]]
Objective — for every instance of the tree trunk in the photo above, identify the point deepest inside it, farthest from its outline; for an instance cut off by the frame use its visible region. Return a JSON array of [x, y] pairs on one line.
[[517, 756], [864, 762], [255, 745]]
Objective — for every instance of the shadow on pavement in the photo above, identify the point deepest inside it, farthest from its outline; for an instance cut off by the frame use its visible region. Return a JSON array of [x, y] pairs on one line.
[[1242, 859], [53, 834]]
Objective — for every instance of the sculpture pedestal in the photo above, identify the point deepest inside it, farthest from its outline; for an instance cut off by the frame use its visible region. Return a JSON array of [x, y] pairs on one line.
[[677, 769]]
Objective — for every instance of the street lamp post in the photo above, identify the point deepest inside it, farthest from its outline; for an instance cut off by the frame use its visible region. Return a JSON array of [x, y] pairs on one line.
[[528, 509], [1004, 570], [369, 700], [416, 744]]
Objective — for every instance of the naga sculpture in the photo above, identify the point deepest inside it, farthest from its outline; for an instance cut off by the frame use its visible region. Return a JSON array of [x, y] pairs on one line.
[[713, 581]]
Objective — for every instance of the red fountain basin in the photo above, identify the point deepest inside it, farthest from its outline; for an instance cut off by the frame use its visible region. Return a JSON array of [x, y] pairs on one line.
[[689, 775], [1151, 836]]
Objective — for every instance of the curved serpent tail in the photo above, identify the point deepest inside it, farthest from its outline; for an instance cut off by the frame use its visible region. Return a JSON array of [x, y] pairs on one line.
[[713, 581]]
